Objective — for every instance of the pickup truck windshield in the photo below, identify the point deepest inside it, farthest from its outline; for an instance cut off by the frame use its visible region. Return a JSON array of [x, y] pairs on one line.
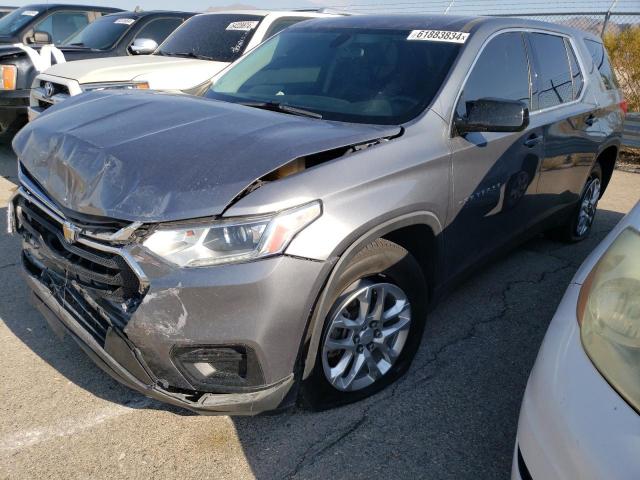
[[219, 37], [14, 21], [101, 34], [351, 75]]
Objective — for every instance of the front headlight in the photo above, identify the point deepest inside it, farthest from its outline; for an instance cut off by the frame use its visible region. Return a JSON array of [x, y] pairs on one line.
[[92, 87], [233, 240], [609, 316], [9, 75]]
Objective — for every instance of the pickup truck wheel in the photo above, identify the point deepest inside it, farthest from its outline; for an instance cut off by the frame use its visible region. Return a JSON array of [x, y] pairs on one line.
[[373, 329], [579, 225]]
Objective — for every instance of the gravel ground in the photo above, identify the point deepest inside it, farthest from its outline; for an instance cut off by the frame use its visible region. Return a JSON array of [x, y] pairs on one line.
[[453, 416]]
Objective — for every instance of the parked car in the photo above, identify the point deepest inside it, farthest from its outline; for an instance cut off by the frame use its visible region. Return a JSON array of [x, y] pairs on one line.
[[579, 416], [186, 61], [282, 238], [80, 33]]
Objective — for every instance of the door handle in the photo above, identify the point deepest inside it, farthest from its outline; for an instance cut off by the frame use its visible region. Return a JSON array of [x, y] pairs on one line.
[[590, 119], [533, 140]]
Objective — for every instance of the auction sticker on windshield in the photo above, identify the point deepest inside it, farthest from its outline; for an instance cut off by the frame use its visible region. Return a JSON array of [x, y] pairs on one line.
[[124, 21], [438, 36], [243, 26], [30, 13]]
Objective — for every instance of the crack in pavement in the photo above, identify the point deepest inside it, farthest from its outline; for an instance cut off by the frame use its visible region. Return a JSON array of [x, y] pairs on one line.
[[314, 452], [8, 265]]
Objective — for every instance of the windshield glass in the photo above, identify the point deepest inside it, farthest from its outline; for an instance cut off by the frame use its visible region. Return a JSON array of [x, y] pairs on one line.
[[11, 23], [101, 34], [352, 75], [219, 37]]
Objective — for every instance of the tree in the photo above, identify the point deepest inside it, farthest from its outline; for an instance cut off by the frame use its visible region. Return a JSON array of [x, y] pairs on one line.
[[624, 51]]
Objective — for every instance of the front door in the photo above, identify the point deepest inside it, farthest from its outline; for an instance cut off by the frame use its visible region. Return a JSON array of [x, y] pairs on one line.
[[494, 174]]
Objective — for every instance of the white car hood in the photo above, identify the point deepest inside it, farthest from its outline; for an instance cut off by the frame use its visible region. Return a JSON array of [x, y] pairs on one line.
[[162, 73]]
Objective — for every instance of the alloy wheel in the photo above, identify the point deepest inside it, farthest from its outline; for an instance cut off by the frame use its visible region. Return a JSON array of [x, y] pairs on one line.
[[365, 336]]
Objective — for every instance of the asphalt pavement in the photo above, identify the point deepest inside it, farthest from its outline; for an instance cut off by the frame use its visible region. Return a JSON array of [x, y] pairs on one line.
[[453, 416]]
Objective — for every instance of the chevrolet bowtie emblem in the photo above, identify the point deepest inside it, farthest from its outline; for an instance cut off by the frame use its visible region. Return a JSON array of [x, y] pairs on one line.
[[70, 232]]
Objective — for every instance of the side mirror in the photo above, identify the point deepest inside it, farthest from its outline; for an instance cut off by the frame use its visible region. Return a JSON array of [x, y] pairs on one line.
[[493, 115], [41, 37], [143, 46]]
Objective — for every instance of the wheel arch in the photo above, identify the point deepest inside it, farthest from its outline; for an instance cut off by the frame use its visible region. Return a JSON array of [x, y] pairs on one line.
[[607, 159], [408, 230]]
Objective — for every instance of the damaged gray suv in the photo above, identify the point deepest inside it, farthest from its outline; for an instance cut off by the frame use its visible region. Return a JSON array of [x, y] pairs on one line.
[[283, 238]]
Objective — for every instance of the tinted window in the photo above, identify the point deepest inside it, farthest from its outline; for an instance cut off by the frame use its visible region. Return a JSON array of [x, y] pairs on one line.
[[601, 61], [354, 75], [159, 29], [282, 23], [576, 73], [552, 68], [14, 21], [103, 33], [502, 71], [220, 37]]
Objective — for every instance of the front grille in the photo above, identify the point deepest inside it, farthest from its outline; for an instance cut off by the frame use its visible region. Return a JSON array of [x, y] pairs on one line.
[[46, 99], [99, 289]]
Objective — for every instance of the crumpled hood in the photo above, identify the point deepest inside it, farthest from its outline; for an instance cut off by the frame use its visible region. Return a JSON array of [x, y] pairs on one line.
[[148, 156], [161, 72]]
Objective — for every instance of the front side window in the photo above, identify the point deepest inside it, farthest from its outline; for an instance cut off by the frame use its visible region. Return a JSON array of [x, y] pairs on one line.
[[601, 61], [282, 23], [103, 33], [218, 37], [159, 29], [62, 25], [501, 72], [555, 85], [343, 74]]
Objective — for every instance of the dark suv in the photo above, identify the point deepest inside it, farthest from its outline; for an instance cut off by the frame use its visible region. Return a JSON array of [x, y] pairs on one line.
[[284, 237], [80, 32]]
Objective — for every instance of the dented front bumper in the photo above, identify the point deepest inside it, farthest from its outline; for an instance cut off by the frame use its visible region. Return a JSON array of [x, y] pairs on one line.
[[260, 308]]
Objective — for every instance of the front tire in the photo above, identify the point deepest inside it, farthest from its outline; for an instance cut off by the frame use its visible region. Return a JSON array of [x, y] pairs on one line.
[[373, 329]]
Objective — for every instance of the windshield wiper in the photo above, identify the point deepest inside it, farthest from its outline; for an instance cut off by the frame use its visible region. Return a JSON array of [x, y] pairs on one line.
[[281, 107], [185, 55]]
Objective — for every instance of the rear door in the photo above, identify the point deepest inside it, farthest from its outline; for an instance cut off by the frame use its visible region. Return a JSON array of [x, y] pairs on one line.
[[568, 118], [494, 173]]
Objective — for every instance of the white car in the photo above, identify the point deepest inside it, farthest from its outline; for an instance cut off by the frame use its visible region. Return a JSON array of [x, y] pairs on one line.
[[186, 61], [580, 414]]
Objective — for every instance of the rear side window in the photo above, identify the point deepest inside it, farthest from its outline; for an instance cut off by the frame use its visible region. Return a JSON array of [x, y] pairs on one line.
[[576, 72], [601, 61], [555, 85], [502, 72]]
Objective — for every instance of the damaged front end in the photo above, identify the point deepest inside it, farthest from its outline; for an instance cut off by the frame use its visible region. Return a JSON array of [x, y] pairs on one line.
[[87, 280]]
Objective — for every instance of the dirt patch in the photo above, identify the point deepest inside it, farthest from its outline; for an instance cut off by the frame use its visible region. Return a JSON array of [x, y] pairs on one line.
[[629, 160]]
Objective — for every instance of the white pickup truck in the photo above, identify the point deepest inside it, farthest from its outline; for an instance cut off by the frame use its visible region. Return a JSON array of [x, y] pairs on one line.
[[186, 61]]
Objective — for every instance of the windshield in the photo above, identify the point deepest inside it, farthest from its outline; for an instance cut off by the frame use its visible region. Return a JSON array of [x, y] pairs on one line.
[[11, 23], [352, 75], [219, 37], [101, 34]]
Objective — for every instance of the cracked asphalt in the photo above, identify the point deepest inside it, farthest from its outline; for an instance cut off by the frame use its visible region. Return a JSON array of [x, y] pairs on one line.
[[453, 416]]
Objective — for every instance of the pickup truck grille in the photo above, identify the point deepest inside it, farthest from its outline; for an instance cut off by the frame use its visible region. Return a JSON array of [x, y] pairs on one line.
[[48, 96], [98, 288]]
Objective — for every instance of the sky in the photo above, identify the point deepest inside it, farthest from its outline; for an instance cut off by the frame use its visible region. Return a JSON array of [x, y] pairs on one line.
[[375, 6]]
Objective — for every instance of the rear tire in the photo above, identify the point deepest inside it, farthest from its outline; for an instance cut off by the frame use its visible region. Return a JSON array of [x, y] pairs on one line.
[[579, 224], [380, 337]]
